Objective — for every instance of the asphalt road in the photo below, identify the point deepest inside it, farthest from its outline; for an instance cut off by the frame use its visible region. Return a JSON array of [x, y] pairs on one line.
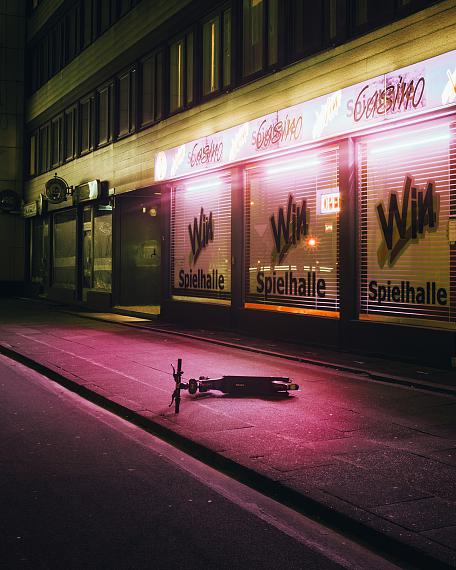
[[82, 488]]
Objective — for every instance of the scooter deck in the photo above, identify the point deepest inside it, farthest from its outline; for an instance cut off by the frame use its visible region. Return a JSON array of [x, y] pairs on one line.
[[247, 384]]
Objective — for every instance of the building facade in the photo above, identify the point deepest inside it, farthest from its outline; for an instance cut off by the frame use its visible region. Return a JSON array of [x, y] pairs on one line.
[[283, 168]]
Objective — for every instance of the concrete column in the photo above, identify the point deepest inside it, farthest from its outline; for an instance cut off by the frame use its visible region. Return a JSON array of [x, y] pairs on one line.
[[12, 53]]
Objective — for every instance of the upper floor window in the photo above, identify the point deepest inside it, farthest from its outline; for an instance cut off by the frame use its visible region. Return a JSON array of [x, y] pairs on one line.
[[32, 154], [72, 25], [104, 114], [87, 23], [126, 99], [85, 119], [371, 13], [43, 145], [337, 21], [152, 89], [70, 130], [259, 35], [56, 141], [181, 73], [307, 19], [217, 53], [104, 15]]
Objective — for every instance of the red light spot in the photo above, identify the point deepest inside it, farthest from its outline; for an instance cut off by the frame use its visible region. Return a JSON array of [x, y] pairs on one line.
[[312, 242]]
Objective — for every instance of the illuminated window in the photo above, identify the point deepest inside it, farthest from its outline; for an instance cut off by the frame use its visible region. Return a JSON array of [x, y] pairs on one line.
[[260, 35], [181, 73], [292, 233], [217, 41], [405, 188], [201, 239]]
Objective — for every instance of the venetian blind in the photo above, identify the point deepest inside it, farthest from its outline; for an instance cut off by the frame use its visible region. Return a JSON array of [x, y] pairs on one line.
[[292, 229], [201, 237], [407, 195]]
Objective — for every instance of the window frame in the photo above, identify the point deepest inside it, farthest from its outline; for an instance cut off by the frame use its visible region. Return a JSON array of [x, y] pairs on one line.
[[131, 74], [266, 67], [53, 143], [222, 87], [186, 73], [90, 100], [33, 153], [109, 88], [159, 93], [73, 110], [44, 148]]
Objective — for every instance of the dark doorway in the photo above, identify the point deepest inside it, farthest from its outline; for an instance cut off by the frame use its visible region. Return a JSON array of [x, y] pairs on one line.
[[140, 252]]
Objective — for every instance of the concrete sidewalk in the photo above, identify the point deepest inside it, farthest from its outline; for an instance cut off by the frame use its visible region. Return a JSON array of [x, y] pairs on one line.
[[375, 459]]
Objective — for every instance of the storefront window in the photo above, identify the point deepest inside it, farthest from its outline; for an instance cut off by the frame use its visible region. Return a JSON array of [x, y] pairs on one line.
[[64, 262], [407, 197], [201, 238], [292, 229], [87, 248], [40, 244], [102, 248]]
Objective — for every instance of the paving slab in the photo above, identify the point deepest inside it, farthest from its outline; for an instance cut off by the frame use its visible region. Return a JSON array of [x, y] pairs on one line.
[[377, 457]]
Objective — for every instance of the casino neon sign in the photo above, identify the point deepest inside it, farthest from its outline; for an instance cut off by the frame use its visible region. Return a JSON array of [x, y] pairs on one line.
[[418, 88]]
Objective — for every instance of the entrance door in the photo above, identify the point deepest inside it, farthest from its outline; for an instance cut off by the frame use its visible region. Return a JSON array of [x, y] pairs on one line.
[[140, 258]]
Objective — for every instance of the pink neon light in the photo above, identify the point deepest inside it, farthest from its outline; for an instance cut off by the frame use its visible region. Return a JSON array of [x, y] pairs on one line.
[[410, 144], [297, 164], [215, 183]]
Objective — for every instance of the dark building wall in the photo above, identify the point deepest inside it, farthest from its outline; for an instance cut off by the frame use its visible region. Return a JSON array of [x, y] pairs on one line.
[[12, 44]]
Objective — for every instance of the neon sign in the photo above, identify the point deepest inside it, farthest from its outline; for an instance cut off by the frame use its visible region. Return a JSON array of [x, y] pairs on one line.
[[417, 214], [329, 203], [400, 95], [415, 89], [270, 133], [326, 114]]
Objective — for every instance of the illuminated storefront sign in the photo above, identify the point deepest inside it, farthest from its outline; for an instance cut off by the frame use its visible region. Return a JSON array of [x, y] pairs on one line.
[[291, 249], [421, 87], [328, 202], [201, 238], [405, 208]]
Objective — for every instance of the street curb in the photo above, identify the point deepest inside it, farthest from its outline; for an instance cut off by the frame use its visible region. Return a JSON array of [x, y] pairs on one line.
[[372, 374], [404, 554]]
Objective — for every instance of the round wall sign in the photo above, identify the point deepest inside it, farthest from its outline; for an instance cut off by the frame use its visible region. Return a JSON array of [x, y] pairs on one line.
[[9, 200], [56, 190]]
